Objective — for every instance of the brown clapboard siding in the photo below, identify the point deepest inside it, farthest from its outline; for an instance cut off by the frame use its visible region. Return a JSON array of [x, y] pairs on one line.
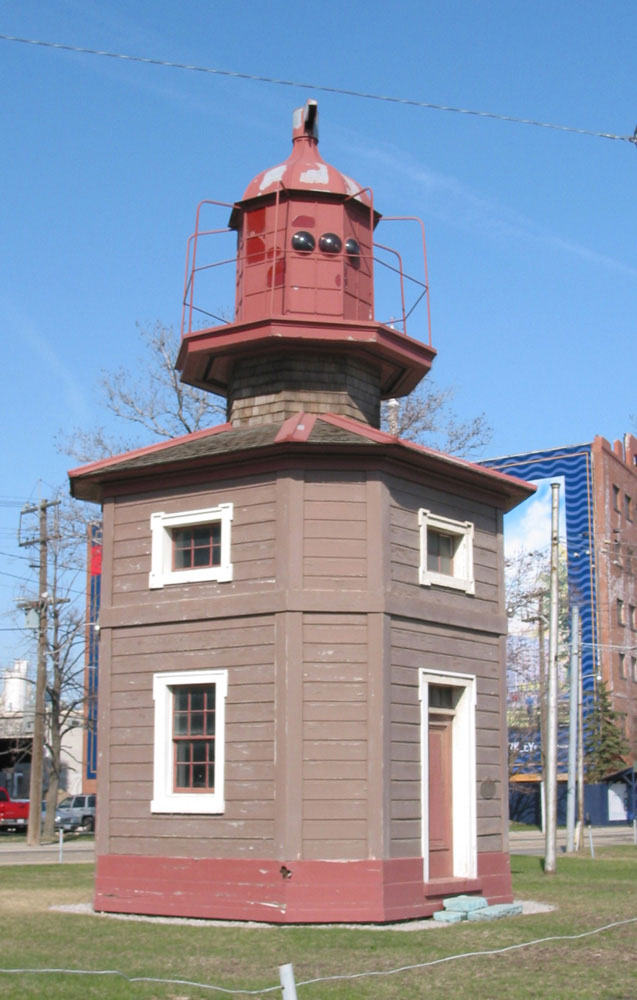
[[335, 531], [335, 559], [245, 648], [341, 809], [253, 545], [405, 773], [416, 645], [336, 711], [354, 771], [345, 683], [406, 500], [249, 631], [335, 734]]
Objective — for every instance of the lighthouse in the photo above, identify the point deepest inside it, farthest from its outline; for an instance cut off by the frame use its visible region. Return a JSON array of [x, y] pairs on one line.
[[304, 333], [302, 682]]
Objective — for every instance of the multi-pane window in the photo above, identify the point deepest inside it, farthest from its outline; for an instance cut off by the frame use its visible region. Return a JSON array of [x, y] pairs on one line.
[[440, 552], [446, 552], [189, 748], [197, 546], [191, 546], [194, 737]]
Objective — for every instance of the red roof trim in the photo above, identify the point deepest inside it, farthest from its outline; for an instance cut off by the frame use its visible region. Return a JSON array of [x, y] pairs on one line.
[[382, 437], [296, 428], [104, 463]]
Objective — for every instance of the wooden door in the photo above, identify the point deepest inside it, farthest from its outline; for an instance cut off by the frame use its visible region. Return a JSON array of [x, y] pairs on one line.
[[440, 796]]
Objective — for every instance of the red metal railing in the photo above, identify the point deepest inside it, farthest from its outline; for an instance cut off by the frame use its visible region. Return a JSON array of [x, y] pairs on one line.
[[421, 287]]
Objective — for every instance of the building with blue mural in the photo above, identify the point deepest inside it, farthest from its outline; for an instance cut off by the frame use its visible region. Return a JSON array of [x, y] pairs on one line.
[[600, 501]]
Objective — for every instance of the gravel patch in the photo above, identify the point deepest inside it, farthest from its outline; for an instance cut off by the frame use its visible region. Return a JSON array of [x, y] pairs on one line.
[[428, 924]]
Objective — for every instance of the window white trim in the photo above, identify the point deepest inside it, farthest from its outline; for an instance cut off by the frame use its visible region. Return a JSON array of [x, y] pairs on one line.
[[465, 837], [462, 531], [165, 799], [161, 527]]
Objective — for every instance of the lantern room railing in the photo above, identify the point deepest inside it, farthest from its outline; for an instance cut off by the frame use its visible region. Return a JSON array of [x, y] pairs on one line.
[[398, 307]]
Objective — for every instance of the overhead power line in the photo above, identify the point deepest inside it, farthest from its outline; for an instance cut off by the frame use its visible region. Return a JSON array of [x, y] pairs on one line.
[[216, 71]]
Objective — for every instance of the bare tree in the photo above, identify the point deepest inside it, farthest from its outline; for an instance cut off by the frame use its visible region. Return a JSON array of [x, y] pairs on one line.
[[65, 696], [427, 417], [156, 402], [527, 588], [153, 402], [63, 605]]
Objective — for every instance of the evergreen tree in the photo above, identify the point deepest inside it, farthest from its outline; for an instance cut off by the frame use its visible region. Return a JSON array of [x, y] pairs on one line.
[[605, 746]]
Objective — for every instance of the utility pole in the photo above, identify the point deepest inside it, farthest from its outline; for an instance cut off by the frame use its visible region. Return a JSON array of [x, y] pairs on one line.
[[42, 603], [580, 754], [541, 621], [550, 850], [573, 735]]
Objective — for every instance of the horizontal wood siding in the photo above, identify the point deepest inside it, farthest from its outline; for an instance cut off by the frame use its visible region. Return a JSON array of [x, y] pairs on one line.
[[414, 646], [245, 648], [406, 499], [253, 542], [335, 734], [335, 531]]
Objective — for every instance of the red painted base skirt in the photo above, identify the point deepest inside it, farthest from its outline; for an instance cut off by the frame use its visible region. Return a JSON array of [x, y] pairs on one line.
[[286, 892]]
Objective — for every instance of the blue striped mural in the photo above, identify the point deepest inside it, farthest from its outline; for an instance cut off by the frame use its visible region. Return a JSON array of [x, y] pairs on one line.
[[574, 464]]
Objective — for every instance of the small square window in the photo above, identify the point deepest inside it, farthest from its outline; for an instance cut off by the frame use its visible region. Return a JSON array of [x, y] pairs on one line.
[[191, 547], [197, 546], [446, 552], [189, 741]]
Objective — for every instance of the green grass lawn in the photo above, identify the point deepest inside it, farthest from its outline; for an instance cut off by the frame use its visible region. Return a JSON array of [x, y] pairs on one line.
[[587, 894]]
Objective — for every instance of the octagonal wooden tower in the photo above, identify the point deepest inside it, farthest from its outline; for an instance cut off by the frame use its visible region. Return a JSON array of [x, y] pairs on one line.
[[302, 685]]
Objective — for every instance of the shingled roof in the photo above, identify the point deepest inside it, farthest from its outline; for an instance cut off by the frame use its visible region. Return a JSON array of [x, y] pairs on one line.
[[327, 432]]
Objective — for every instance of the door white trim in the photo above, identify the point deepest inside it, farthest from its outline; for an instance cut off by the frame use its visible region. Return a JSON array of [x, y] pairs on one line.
[[465, 839]]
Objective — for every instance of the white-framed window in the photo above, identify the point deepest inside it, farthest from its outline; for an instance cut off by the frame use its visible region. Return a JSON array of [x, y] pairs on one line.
[[446, 552], [191, 546], [189, 748]]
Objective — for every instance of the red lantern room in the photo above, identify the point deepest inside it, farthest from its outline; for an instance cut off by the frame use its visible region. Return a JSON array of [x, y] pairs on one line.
[[305, 236], [304, 330]]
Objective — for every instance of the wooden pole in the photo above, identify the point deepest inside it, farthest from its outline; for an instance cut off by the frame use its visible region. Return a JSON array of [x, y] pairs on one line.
[[37, 752]]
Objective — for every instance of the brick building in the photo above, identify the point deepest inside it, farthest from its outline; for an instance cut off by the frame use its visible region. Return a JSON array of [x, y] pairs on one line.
[[600, 483]]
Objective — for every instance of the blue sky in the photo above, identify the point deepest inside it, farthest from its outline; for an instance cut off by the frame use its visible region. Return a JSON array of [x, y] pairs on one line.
[[530, 232]]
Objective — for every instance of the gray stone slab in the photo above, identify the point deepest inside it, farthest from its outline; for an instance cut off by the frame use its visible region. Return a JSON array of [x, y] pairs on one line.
[[449, 916], [496, 912], [464, 904]]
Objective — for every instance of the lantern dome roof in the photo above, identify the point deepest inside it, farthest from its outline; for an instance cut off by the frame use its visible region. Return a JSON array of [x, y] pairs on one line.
[[305, 169]]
